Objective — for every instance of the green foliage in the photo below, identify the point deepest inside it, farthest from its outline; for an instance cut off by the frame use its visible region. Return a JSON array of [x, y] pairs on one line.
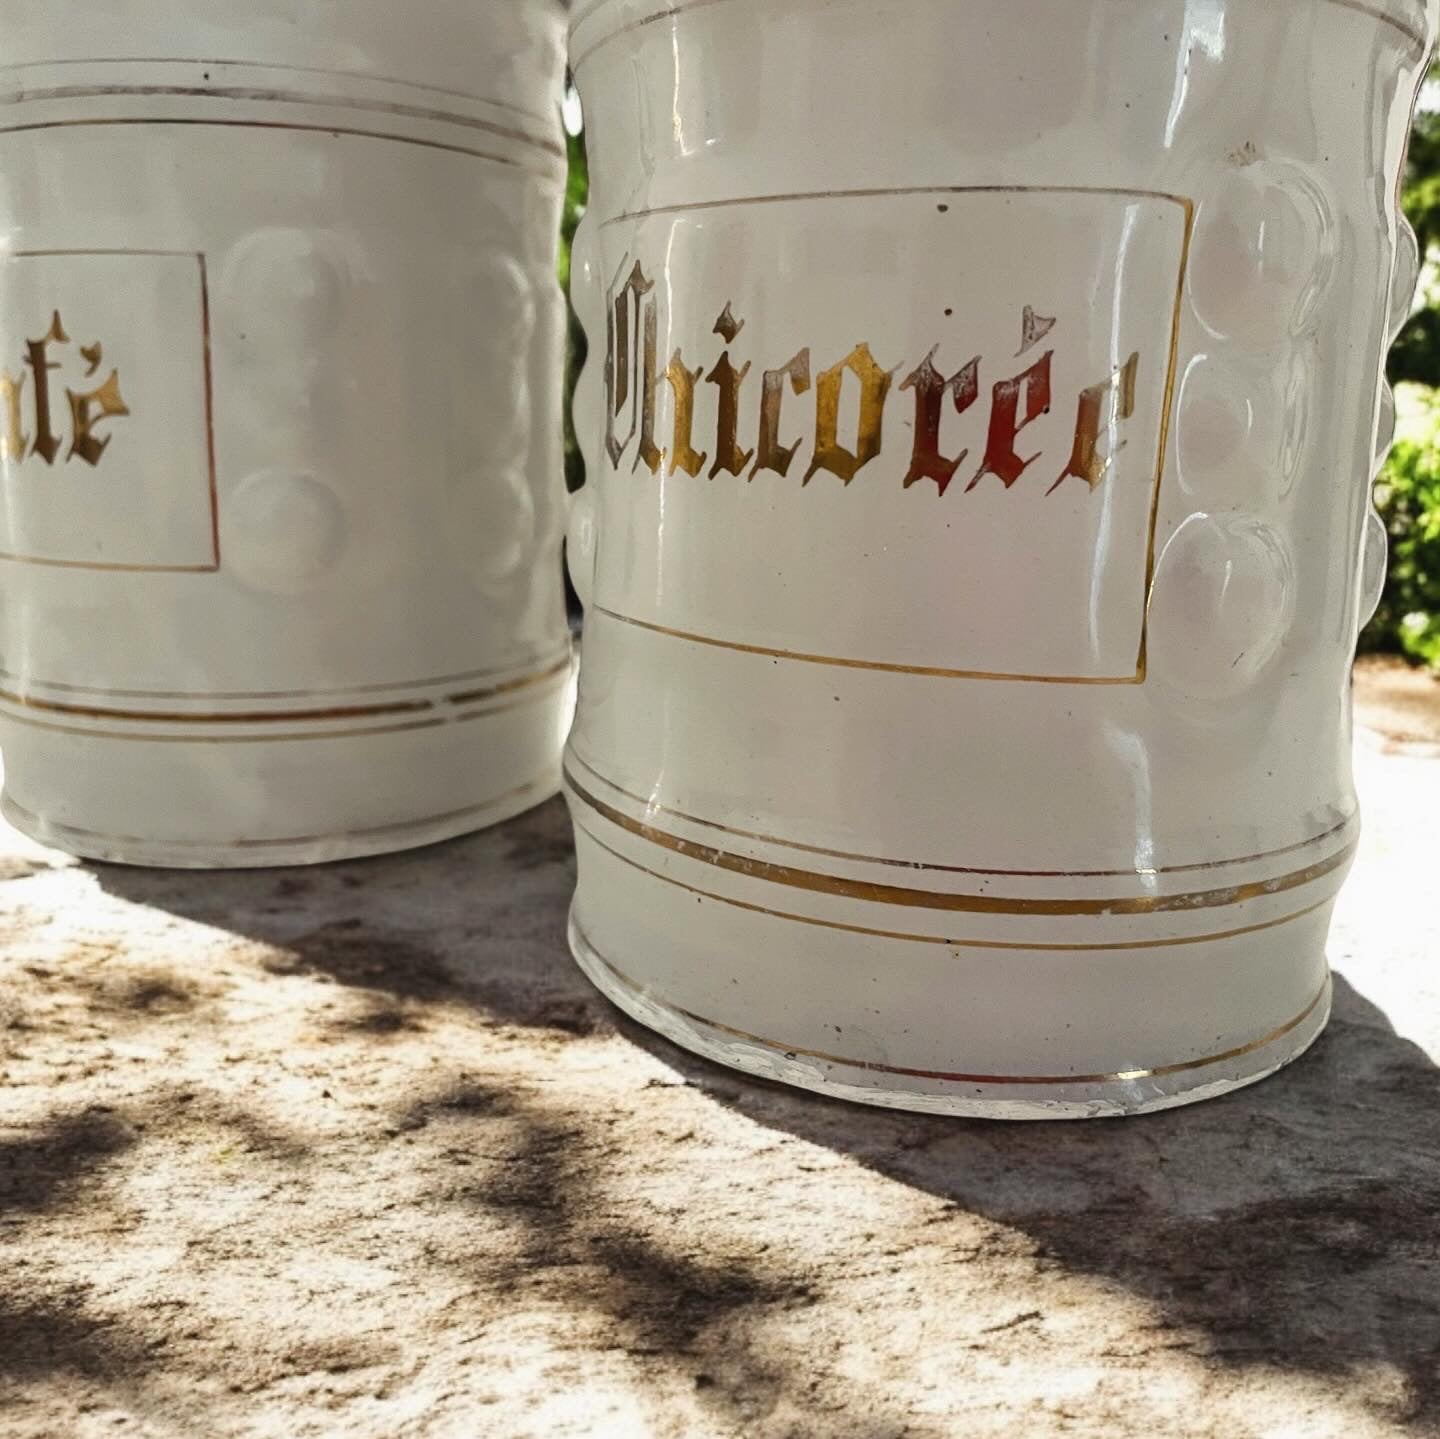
[[1408, 491], [577, 193], [1416, 355], [1408, 497]]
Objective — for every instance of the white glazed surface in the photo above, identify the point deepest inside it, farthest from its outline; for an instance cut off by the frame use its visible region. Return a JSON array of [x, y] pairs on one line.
[[1023, 793], [306, 603]]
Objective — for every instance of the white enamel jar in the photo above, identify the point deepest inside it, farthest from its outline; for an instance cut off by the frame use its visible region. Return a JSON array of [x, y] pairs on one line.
[[281, 350], [982, 412]]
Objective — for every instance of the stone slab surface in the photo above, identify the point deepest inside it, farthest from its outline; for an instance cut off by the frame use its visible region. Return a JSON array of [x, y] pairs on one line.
[[1398, 705], [355, 1151]]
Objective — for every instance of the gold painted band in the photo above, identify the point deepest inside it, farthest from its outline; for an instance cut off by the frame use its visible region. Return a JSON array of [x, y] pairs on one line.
[[428, 682], [207, 569], [671, 12], [282, 97], [31, 702], [372, 832], [888, 192], [533, 696], [270, 65], [925, 867], [1120, 1076], [506, 687], [899, 895], [553, 174], [947, 941], [886, 667], [252, 717]]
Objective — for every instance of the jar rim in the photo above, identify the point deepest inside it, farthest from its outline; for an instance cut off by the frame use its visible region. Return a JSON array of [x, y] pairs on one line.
[[593, 22]]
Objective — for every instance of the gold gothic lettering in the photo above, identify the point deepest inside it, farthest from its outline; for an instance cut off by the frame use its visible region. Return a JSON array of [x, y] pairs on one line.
[[830, 454], [772, 454], [647, 451], [632, 379], [1102, 407], [16, 444], [47, 443], [729, 457], [622, 317], [88, 409], [682, 382]]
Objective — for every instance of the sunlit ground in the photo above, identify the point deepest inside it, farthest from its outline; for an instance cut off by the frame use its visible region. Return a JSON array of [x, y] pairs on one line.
[[356, 1151]]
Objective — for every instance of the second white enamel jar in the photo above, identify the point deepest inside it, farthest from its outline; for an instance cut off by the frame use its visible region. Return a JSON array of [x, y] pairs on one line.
[[279, 548], [980, 428]]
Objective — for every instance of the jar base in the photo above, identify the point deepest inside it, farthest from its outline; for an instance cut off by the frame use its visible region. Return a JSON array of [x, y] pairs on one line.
[[277, 853], [202, 796], [963, 1098]]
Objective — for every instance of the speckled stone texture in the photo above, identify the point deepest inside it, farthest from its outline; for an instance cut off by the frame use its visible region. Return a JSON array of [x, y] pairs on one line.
[[355, 1151]]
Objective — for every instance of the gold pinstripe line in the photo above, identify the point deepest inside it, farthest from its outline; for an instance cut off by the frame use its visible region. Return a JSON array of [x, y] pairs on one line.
[[947, 942], [921, 866], [903, 896]]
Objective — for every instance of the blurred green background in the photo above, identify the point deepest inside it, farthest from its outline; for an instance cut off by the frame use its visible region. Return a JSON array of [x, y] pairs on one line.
[[577, 192], [1408, 491]]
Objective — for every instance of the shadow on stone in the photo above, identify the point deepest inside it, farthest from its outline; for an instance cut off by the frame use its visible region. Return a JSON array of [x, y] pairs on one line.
[[1290, 1225], [475, 921], [139, 994], [702, 1316], [370, 959], [59, 1335], [40, 1171]]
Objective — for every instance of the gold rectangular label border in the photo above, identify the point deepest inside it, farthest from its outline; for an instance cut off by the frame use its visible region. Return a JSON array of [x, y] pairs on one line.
[[214, 566], [1188, 208]]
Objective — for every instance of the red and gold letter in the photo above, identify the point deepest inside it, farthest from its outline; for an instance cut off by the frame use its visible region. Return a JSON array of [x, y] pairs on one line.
[[1102, 407], [931, 387], [1006, 421]]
